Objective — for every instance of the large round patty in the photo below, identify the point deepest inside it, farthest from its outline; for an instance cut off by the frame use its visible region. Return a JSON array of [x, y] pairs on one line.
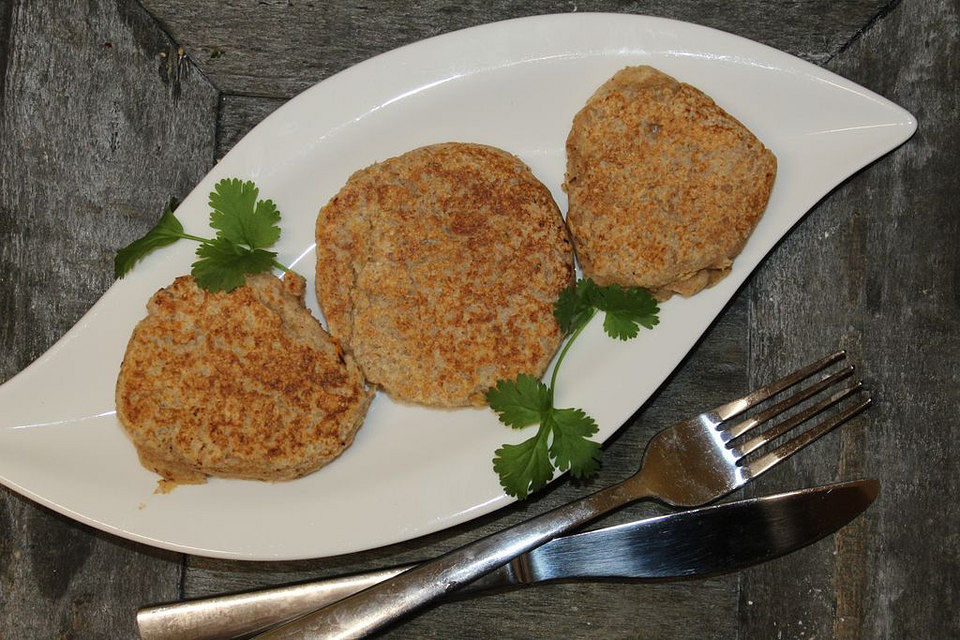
[[438, 270], [243, 384], [665, 187]]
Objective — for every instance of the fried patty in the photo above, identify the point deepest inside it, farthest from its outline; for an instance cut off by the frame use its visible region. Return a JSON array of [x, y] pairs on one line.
[[665, 187], [243, 384], [438, 270]]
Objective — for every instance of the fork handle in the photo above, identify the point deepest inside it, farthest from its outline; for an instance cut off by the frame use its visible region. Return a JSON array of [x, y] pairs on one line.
[[384, 603]]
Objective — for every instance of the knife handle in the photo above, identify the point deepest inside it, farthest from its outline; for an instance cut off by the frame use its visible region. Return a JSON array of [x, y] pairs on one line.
[[245, 613], [384, 603]]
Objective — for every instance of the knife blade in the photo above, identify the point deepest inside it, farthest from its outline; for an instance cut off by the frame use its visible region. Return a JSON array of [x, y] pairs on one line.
[[696, 543]]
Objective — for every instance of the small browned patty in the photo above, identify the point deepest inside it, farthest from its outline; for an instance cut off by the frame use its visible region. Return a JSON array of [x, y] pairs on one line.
[[665, 187], [438, 270], [243, 384]]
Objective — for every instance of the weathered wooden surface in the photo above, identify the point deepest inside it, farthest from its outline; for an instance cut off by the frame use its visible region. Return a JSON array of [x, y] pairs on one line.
[[97, 131], [98, 136], [239, 114], [876, 268], [281, 47]]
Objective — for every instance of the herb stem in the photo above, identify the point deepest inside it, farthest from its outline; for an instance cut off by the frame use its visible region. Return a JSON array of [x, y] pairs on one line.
[[563, 352], [197, 238], [281, 267]]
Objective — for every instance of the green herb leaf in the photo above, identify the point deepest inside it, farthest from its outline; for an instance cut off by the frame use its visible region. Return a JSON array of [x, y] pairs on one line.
[[521, 402], [626, 310], [222, 264], [524, 468], [571, 447], [167, 231], [240, 218], [575, 304]]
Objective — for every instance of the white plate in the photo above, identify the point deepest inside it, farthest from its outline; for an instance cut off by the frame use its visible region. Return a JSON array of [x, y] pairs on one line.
[[411, 471]]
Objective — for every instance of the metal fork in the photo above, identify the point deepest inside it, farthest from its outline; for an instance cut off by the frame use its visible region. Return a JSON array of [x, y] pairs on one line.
[[688, 464]]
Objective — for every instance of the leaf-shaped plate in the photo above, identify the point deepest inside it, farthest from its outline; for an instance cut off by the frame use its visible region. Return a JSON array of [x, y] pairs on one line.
[[516, 85]]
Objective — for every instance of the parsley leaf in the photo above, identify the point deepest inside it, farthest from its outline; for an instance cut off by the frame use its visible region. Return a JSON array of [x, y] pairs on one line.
[[562, 441], [167, 231], [240, 218], [222, 264], [626, 310], [524, 468], [519, 402], [571, 448], [575, 305]]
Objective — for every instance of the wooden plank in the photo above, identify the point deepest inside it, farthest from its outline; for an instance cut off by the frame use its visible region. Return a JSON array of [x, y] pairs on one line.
[[280, 47], [238, 115], [875, 268], [101, 122], [713, 373]]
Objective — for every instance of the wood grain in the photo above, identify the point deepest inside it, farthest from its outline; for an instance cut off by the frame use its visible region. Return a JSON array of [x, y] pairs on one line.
[[875, 268], [98, 129], [238, 115], [280, 47]]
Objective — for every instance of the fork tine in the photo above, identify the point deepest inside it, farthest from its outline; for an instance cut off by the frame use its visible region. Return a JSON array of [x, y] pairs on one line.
[[736, 407], [742, 427], [784, 451], [755, 443]]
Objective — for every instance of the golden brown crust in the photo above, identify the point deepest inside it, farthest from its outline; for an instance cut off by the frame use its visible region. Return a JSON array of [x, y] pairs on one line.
[[438, 270], [665, 187], [243, 384]]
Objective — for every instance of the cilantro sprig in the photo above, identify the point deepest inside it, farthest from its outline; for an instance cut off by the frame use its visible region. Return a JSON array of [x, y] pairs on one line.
[[245, 226], [563, 439]]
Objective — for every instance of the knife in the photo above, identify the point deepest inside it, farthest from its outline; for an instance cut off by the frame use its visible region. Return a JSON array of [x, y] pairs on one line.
[[696, 543]]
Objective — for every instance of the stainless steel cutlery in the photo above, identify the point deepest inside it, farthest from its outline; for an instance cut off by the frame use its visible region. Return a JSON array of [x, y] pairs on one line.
[[690, 544]]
